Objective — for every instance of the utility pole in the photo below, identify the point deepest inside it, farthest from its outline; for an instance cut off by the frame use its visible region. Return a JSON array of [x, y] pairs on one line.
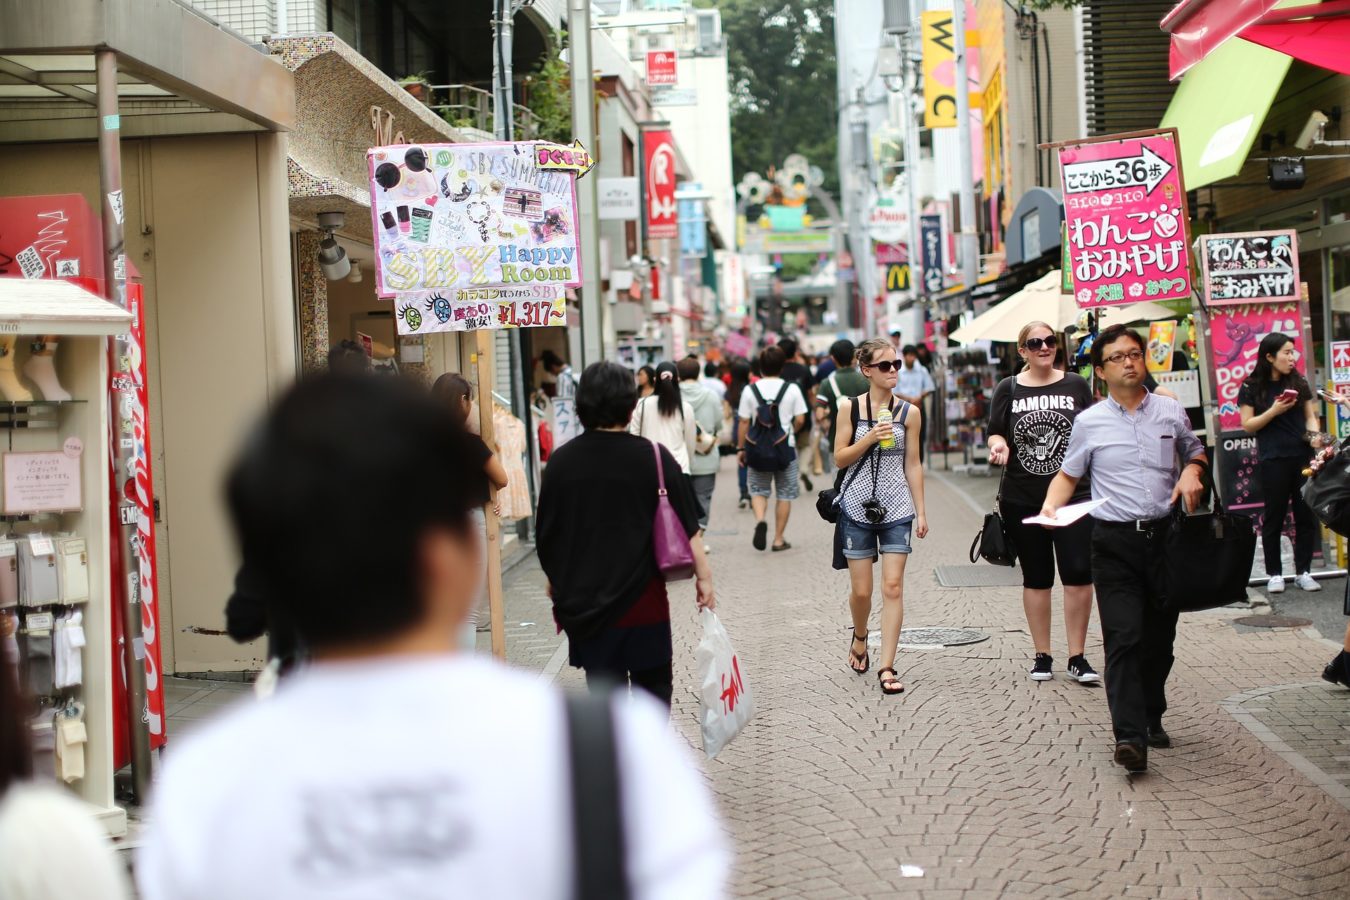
[[967, 237], [583, 126], [911, 61]]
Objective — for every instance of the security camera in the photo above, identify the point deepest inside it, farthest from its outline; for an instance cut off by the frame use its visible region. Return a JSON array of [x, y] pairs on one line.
[[333, 261], [1312, 132]]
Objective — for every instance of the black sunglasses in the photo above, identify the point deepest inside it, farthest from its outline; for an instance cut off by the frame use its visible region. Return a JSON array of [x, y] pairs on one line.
[[1034, 344], [885, 365]]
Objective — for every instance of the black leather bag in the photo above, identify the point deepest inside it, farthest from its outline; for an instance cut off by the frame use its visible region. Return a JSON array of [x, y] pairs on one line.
[[1327, 492], [992, 544], [1208, 558]]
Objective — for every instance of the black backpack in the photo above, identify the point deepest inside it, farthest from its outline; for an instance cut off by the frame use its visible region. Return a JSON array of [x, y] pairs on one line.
[[767, 448]]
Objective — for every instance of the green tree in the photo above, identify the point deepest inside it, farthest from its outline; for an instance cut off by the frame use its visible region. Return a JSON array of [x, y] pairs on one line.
[[781, 57], [548, 95]]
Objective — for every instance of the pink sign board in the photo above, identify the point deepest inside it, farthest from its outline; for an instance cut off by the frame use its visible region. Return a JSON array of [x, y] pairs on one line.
[[1235, 332], [41, 482], [1125, 216], [738, 345]]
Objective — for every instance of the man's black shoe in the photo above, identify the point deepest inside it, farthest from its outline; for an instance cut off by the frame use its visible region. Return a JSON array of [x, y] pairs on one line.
[[1335, 670], [806, 480], [1131, 757], [1158, 737]]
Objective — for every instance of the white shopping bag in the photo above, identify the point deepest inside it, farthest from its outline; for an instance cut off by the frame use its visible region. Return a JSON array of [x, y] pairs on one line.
[[727, 704]]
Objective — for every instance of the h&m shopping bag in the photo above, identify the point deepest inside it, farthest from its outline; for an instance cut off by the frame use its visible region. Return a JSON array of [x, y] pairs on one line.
[[727, 705]]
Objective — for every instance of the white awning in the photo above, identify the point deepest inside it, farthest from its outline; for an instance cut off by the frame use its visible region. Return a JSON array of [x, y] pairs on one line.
[[36, 306]]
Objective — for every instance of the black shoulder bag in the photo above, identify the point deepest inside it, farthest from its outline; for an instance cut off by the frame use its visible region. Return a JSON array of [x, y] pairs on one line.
[[992, 544], [827, 501], [597, 819], [1224, 541]]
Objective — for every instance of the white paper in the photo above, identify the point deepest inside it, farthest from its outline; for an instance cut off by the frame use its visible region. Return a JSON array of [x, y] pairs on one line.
[[1066, 515]]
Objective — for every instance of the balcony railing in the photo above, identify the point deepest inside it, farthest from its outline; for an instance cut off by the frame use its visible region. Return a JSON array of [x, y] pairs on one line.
[[469, 106]]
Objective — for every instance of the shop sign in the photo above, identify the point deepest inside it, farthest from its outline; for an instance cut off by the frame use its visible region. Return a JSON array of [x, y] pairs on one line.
[[1186, 385], [930, 238], [619, 198], [449, 217], [888, 222], [674, 96], [1238, 483], [763, 241], [46, 481], [897, 277], [889, 254], [738, 344], [1252, 267], [1234, 334], [480, 309], [658, 166], [1125, 215], [1340, 361], [662, 67]]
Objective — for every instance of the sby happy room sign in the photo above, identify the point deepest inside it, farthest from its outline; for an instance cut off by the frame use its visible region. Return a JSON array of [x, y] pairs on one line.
[[453, 220]]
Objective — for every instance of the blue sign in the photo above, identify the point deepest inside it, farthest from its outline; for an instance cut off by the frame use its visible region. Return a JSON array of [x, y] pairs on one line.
[[930, 237], [693, 225]]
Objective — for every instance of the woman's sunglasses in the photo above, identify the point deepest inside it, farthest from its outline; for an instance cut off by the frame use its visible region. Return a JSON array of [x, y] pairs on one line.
[[1034, 344], [885, 365]]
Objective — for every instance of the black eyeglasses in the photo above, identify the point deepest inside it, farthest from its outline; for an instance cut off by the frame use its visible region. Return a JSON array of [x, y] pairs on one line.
[[1118, 358], [885, 365], [1034, 344]]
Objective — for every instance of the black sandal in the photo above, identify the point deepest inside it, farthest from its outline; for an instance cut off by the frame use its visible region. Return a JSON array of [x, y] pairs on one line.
[[887, 684], [865, 658]]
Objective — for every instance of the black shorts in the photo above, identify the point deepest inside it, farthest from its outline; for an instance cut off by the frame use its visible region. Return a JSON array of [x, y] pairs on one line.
[[1038, 549]]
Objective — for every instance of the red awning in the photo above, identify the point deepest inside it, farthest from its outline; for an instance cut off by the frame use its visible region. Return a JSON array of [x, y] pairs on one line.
[[1317, 33], [1323, 41], [1199, 26]]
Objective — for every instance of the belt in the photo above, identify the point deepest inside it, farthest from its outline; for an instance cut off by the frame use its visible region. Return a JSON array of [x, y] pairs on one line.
[[1141, 525]]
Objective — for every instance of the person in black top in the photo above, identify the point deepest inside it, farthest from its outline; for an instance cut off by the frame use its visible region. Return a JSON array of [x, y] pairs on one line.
[[1030, 421], [594, 541], [795, 371], [1277, 406]]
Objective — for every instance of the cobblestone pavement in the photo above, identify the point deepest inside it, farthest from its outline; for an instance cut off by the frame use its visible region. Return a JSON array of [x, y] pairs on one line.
[[982, 780]]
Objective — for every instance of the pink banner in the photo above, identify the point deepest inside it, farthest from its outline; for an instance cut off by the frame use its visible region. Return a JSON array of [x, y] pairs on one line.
[[1125, 216], [1235, 332]]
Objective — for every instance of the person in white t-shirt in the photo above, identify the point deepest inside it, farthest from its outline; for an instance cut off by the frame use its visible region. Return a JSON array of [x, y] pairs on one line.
[[392, 766], [764, 481]]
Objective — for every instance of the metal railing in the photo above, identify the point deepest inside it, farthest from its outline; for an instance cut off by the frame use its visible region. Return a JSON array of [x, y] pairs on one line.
[[470, 106]]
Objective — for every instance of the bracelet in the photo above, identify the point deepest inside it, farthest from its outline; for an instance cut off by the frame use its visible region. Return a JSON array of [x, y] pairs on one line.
[[1199, 461]]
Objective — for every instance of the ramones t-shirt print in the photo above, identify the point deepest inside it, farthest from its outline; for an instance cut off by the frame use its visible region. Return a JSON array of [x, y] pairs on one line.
[[1037, 423]]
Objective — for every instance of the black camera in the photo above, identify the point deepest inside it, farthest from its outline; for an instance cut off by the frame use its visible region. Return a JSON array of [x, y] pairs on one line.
[[874, 512]]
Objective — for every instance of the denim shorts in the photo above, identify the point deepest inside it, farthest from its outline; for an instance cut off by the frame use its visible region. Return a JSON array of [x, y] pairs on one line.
[[861, 539]]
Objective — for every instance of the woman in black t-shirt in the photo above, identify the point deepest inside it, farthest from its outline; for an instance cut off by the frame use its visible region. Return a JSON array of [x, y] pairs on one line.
[[1030, 421], [1277, 406]]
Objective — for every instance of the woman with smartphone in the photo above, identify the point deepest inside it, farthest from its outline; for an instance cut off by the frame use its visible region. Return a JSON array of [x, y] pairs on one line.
[[1277, 406]]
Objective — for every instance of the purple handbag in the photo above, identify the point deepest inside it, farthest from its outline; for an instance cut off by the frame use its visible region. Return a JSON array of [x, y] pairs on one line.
[[674, 555]]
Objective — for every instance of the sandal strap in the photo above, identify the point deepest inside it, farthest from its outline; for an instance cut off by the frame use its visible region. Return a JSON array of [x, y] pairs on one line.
[[861, 640], [881, 672]]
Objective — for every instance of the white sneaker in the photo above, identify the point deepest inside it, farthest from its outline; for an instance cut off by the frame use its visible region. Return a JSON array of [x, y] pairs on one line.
[[1306, 582], [1275, 585]]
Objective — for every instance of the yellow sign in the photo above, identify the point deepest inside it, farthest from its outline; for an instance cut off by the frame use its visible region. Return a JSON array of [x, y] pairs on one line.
[[897, 277], [939, 69], [1162, 337], [570, 159]]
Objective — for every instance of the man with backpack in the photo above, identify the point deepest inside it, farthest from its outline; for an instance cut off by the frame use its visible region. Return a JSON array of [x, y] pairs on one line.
[[772, 411], [844, 381]]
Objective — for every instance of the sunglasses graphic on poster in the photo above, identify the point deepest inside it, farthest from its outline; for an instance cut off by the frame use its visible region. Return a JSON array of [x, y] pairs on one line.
[[455, 218]]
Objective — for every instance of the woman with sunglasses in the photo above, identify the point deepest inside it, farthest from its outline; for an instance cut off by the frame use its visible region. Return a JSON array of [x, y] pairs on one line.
[[1030, 421], [881, 502]]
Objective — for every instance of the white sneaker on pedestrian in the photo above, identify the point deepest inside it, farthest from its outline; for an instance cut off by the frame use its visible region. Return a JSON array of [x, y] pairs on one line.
[[1306, 582], [1275, 585]]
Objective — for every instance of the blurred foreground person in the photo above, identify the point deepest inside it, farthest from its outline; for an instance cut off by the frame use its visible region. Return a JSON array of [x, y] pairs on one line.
[[50, 846], [392, 766], [597, 504]]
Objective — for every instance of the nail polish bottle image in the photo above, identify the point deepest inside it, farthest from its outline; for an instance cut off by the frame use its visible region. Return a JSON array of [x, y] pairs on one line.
[[404, 225], [390, 228], [421, 224]]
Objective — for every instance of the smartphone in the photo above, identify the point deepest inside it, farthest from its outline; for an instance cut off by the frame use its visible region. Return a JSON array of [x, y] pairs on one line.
[[1288, 396], [1332, 398]]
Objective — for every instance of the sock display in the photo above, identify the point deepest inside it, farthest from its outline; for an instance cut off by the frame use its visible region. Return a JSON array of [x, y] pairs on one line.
[[10, 386], [41, 370]]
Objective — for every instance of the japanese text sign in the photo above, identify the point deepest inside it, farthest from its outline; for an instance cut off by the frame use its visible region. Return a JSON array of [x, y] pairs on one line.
[[930, 236], [1125, 215], [1235, 332], [1340, 361], [658, 164], [450, 217], [662, 67], [475, 309], [41, 482], [1253, 267]]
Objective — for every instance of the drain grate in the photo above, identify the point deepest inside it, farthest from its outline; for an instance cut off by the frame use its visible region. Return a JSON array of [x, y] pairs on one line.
[[936, 636], [983, 575], [1273, 621]]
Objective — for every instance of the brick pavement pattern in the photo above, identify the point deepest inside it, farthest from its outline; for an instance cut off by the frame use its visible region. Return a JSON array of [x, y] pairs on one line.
[[987, 782]]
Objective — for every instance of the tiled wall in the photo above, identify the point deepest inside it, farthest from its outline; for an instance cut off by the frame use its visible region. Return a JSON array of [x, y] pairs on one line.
[[255, 19]]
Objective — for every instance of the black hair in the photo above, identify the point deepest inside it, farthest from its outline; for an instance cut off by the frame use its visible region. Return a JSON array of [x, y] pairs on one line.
[[710, 370], [740, 380], [909, 350], [348, 356], [650, 373], [16, 743], [294, 500], [755, 368], [788, 346], [453, 387], [606, 396], [841, 351], [771, 362], [1110, 336], [550, 359], [688, 369], [1262, 376], [668, 399]]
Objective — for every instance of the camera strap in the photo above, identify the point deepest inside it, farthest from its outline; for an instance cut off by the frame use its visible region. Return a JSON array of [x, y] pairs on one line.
[[876, 459]]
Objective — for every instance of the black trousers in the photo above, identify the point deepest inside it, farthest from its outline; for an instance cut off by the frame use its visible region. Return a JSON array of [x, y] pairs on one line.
[[1281, 484], [1138, 633], [658, 681]]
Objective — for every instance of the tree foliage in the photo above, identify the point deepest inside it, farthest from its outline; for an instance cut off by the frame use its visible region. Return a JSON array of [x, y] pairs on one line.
[[781, 56]]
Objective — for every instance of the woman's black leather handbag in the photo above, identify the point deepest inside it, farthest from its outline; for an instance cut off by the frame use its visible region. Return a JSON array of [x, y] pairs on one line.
[[992, 544], [1208, 558]]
